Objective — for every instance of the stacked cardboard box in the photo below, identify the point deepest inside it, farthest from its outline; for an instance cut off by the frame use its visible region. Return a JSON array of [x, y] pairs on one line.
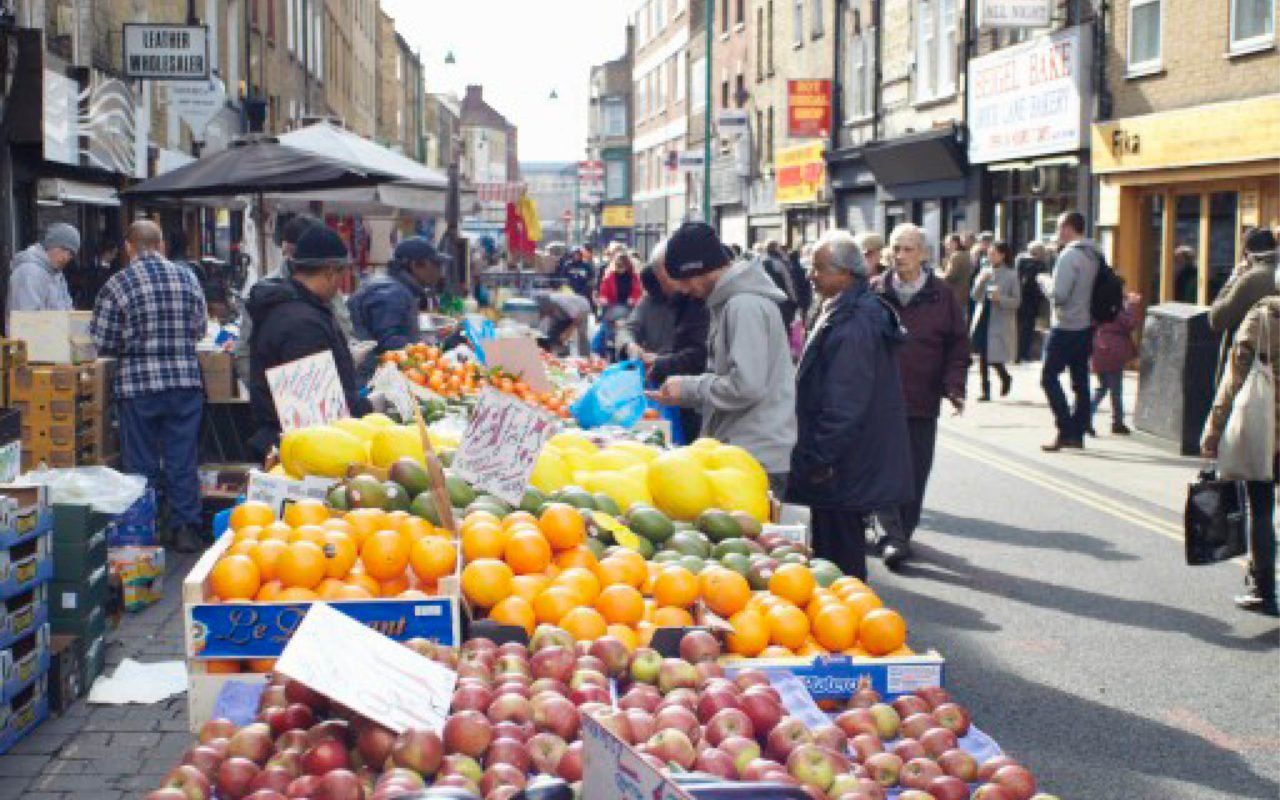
[[13, 354], [78, 593], [26, 564], [67, 413]]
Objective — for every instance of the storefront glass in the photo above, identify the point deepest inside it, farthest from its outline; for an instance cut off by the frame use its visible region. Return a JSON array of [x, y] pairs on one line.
[[1152, 246], [1222, 239], [1186, 248]]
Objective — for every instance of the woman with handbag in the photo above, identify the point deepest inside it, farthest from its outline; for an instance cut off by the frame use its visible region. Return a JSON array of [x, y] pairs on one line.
[[1247, 401]]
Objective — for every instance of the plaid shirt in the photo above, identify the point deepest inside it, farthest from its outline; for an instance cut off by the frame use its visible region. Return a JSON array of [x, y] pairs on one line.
[[151, 315]]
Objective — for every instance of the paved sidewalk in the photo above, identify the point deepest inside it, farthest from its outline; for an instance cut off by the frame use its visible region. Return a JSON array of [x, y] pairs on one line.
[[111, 752]]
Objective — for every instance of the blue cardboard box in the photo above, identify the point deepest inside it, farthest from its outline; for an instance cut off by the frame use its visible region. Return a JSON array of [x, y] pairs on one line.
[[23, 662], [21, 715], [25, 514], [836, 678], [25, 565], [23, 613], [136, 527]]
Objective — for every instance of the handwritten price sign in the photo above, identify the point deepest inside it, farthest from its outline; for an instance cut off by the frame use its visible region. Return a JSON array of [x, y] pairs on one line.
[[502, 444], [308, 392], [614, 771]]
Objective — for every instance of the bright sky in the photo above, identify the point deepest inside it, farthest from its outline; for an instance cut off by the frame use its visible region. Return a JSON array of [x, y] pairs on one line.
[[519, 51]]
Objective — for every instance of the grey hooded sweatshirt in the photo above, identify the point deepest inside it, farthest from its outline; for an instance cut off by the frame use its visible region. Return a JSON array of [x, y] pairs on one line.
[[34, 285], [748, 398], [1070, 287]]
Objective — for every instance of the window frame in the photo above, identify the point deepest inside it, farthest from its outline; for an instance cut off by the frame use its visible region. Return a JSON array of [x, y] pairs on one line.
[[797, 23], [679, 69], [948, 45], [859, 106], [760, 44], [925, 84], [1152, 65], [817, 25], [1251, 44]]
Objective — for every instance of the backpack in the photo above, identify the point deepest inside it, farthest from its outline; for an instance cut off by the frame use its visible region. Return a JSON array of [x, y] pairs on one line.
[[1106, 301]]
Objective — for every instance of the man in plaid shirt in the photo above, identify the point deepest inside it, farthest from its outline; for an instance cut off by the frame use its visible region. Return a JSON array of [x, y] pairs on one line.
[[150, 316]]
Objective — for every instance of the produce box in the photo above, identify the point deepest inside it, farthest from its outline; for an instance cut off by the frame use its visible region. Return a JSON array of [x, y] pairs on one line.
[[24, 514], [77, 524], [21, 715], [23, 613], [140, 571], [218, 370], [26, 564], [65, 672], [55, 337], [260, 630], [224, 481], [136, 527], [76, 561], [838, 677], [72, 602], [93, 659], [23, 662], [205, 687], [35, 384]]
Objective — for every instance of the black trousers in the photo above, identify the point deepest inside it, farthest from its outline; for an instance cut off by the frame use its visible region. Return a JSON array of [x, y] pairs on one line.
[[1262, 537], [901, 522], [986, 374], [840, 536], [1026, 330]]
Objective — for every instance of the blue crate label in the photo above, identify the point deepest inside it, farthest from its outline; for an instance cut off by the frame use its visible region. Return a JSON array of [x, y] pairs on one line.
[[907, 678], [796, 699], [261, 630]]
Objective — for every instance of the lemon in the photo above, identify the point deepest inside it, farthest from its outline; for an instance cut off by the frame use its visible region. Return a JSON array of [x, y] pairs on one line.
[[573, 440], [612, 458], [378, 420], [646, 452], [679, 485]]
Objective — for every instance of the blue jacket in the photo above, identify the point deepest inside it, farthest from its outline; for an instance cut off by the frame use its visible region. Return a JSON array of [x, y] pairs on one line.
[[385, 310], [852, 450]]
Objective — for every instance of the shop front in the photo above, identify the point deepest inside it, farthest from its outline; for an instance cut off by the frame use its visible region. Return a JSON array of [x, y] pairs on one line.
[[617, 224], [802, 193], [853, 190], [1028, 125], [650, 224], [1178, 189], [764, 220]]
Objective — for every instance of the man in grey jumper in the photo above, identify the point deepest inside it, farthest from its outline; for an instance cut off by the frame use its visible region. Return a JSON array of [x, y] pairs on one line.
[[1070, 290], [36, 281]]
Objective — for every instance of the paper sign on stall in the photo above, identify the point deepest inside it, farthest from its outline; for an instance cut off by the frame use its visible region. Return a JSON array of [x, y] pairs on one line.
[[614, 771], [276, 490], [308, 392], [519, 356], [391, 383], [365, 671], [501, 445]]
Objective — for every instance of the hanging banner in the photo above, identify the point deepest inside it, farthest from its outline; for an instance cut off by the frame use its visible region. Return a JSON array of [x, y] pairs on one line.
[[1014, 13], [166, 52], [801, 173], [808, 109]]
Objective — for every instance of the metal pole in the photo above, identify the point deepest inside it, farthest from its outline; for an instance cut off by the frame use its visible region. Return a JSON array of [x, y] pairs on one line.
[[709, 19]]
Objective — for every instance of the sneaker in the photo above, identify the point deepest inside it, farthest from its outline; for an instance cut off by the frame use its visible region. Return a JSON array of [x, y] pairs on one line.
[[1257, 604], [187, 540], [1006, 386], [895, 553], [984, 398], [1062, 443], [1120, 429]]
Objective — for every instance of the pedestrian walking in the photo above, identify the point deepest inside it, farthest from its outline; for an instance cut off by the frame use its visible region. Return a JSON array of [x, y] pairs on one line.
[[852, 453], [1252, 280], [1250, 342], [1029, 265], [872, 246], [150, 316], [747, 395], [1113, 348], [957, 269], [932, 364], [997, 296], [386, 308], [36, 279], [1070, 291], [293, 318]]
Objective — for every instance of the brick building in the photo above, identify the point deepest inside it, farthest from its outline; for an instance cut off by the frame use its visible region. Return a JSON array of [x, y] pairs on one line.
[[609, 141], [732, 81]]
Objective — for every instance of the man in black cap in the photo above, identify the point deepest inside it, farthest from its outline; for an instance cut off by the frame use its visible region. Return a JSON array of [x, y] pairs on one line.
[[748, 396], [292, 319], [385, 309]]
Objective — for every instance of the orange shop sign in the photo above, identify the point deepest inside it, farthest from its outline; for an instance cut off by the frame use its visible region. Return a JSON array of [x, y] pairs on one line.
[[808, 109], [801, 173]]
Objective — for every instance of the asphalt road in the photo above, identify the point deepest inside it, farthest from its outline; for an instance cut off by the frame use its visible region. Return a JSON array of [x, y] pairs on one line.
[[1080, 639]]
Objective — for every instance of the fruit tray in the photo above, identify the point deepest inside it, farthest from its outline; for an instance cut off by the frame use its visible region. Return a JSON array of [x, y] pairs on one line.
[[261, 630], [26, 564], [836, 678], [23, 613], [23, 662], [23, 714], [24, 514]]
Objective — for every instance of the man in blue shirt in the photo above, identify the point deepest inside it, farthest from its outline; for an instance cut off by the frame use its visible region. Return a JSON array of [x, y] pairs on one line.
[[385, 309]]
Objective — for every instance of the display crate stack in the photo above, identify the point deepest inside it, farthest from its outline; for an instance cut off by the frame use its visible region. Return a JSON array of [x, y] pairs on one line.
[[26, 566], [67, 417], [78, 604], [13, 354]]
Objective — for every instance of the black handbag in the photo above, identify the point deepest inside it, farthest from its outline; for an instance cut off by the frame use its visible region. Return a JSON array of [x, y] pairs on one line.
[[1216, 519]]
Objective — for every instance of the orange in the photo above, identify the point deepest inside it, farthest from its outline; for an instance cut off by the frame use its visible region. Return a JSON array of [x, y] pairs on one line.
[[672, 617], [417, 527], [305, 512], [244, 548], [339, 524], [308, 533], [360, 579], [882, 631], [676, 586], [835, 627], [392, 587], [433, 557], [265, 556], [820, 602], [269, 591], [412, 594], [529, 586], [296, 594], [580, 556], [251, 513], [340, 554], [774, 651], [581, 581], [793, 582], [260, 664], [222, 666], [329, 588], [554, 603], [277, 530], [862, 603], [848, 585], [364, 522], [724, 591], [519, 518], [486, 581], [385, 555], [483, 540], [527, 552], [479, 516], [811, 648], [584, 624], [563, 526], [301, 565], [644, 633], [353, 591], [620, 604], [750, 635], [637, 566], [247, 532], [788, 626], [625, 634], [515, 610], [235, 577], [612, 571]]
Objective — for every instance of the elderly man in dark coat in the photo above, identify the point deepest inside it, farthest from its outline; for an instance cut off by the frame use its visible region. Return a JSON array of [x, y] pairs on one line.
[[853, 454]]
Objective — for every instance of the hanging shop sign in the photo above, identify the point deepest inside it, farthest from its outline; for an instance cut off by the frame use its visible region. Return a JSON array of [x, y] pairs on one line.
[[801, 174], [91, 125], [808, 109], [731, 122], [197, 103], [1030, 100], [1014, 13], [166, 52], [618, 217]]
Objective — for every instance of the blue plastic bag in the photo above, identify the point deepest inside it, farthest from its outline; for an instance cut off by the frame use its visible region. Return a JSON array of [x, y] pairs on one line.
[[616, 398], [476, 334]]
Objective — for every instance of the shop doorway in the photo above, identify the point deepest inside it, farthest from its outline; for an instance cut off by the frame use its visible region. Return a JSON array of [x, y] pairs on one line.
[[1190, 240]]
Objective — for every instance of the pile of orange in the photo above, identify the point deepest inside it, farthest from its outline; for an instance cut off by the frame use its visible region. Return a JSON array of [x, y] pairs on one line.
[[310, 554], [426, 367], [527, 571]]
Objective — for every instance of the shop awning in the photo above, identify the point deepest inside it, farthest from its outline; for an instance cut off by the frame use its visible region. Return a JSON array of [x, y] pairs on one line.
[[329, 140], [63, 190], [935, 155]]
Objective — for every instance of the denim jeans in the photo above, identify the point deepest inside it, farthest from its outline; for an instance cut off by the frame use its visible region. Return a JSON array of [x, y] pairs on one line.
[[160, 439], [1068, 351], [1111, 383]]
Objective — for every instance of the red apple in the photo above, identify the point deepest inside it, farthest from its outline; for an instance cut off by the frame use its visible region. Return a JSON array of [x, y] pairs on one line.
[[937, 741], [709, 669], [887, 720], [612, 654], [273, 777], [884, 769], [785, 737], [811, 766], [217, 729], [253, 742], [831, 737], [471, 695], [1017, 780], [959, 764], [374, 743], [418, 749], [989, 767], [715, 699], [646, 664], [907, 749], [508, 751], [953, 717], [757, 769], [304, 786], [909, 704], [865, 745], [948, 787], [292, 740], [541, 685], [642, 696], [680, 697], [591, 663], [461, 765], [337, 729], [235, 777], [509, 729], [557, 715], [325, 757], [511, 707], [676, 673], [742, 750], [468, 733], [698, 646], [918, 772], [865, 697], [545, 751], [266, 794], [296, 692], [205, 759], [501, 775], [727, 722], [674, 746], [517, 685], [339, 784], [557, 663], [934, 696], [571, 764], [764, 710], [915, 725], [589, 694], [991, 791], [678, 718], [856, 721], [193, 783], [746, 678], [716, 762], [640, 725], [456, 781]]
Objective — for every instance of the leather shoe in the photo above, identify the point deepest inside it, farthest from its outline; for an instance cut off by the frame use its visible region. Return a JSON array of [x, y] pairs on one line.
[[1062, 443], [895, 553], [1258, 604], [1120, 429]]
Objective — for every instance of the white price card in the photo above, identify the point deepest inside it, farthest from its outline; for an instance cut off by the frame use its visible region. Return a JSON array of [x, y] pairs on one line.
[[614, 771], [501, 445], [391, 383], [308, 392], [369, 673]]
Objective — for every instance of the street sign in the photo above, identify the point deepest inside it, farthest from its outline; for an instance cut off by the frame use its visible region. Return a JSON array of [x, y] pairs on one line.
[[1014, 13], [166, 52], [732, 121], [197, 102], [690, 161]]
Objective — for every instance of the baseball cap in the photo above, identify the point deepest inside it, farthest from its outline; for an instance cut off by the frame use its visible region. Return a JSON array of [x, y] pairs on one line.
[[417, 248], [694, 249]]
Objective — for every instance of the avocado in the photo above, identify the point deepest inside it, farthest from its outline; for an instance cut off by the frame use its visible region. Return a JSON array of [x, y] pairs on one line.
[[461, 494], [737, 562], [718, 525], [365, 491], [411, 475], [424, 505], [397, 499], [750, 526], [533, 501], [501, 507], [575, 496], [650, 523], [692, 563], [606, 504], [728, 546], [665, 556], [644, 547], [690, 543], [824, 572], [596, 547], [337, 498]]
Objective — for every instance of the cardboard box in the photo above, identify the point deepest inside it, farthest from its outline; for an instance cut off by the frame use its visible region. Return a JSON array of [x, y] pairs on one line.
[[65, 672], [218, 369], [76, 561], [93, 659], [23, 662], [137, 525], [73, 600], [23, 613], [24, 514], [54, 337], [23, 714], [43, 384], [140, 571], [25, 565]]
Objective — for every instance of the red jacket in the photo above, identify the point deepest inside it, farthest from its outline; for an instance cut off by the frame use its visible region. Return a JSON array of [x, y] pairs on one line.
[[935, 358], [609, 290]]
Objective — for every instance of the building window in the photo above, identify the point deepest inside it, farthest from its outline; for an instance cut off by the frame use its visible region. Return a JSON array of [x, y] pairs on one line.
[[935, 49], [817, 22], [658, 21], [757, 140], [681, 63], [642, 171], [860, 84], [1253, 24], [660, 89], [271, 20], [698, 84], [740, 15], [613, 117], [1144, 35], [797, 22], [739, 91], [291, 25], [724, 16], [759, 45], [768, 141], [615, 179], [768, 37]]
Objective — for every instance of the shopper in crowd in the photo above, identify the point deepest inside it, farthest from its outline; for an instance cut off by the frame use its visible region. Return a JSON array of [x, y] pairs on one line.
[[932, 362], [1250, 341], [150, 316], [1070, 291], [852, 453], [1113, 348], [36, 279], [957, 269], [996, 296], [580, 275], [293, 318], [872, 246], [562, 314], [385, 309], [777, 265], [1029, 265], [1252, 280], [619, 291], [747, 395]]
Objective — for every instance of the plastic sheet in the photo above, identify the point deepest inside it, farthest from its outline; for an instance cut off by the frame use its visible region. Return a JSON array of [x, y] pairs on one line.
[[101, 488]]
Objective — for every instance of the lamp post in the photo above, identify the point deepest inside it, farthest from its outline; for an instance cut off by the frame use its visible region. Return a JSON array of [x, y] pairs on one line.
[[709, 21]]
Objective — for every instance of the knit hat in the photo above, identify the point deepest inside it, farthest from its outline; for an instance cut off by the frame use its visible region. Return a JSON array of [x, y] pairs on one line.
[[62, 235], [1259, 241], [417, 248], [317, 248], [694, 249]]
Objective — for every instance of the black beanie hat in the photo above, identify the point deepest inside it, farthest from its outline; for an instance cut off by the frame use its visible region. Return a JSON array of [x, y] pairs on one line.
[[1258, 241], [694, 249], [317, 248]]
